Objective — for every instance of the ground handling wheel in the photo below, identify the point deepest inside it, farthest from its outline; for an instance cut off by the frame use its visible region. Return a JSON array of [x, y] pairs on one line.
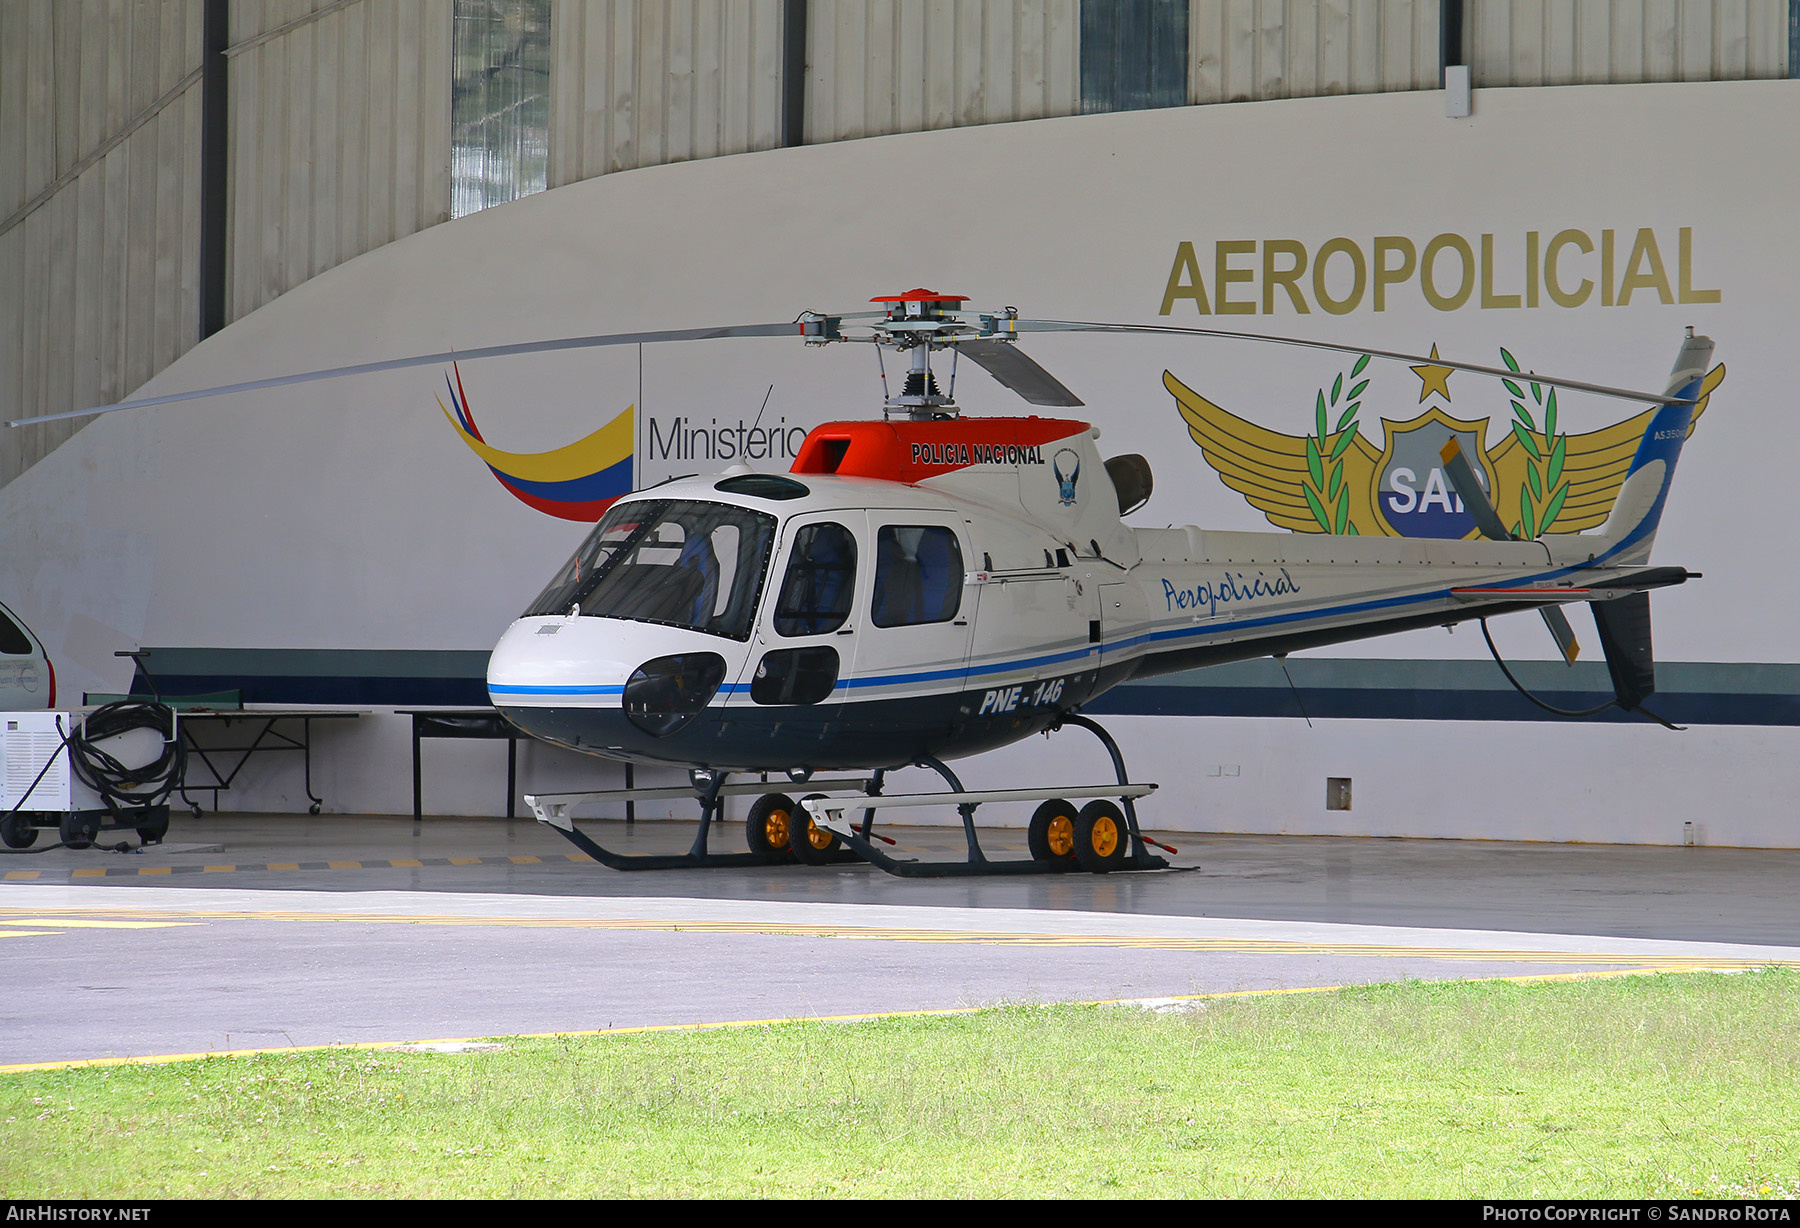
[[77, 830], [1051, 833], [1100, 837], [153, 824], [770, 824], [16, 832], [812, 844]]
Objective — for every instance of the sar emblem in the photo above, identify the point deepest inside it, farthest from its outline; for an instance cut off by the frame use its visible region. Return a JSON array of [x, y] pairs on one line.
[[1412, 496], [1333, 480]]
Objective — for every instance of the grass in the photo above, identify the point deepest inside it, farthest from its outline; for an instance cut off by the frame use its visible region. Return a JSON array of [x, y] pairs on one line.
[[1667, 1086]]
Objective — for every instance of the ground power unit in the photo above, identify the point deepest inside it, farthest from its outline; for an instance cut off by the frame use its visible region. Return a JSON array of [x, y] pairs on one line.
[[84, 772]]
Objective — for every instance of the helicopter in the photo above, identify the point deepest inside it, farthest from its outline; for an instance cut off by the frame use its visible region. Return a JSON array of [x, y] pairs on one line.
[[927, 586]]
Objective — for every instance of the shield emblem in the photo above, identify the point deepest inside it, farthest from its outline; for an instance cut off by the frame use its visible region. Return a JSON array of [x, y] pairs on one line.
[[1412, 497]]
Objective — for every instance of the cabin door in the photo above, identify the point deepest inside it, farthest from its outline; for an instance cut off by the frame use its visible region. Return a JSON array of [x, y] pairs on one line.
[[916, 616]]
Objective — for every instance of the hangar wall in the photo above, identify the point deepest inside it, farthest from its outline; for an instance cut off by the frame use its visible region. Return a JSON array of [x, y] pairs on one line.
[[99, 214], [346, 538], [1249, 50], [876, 66], [340, 128], [640, 84], [340, 136], [1590, 42]]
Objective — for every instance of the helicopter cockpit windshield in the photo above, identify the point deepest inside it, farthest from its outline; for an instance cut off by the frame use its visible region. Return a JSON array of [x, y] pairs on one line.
[[676, 562]]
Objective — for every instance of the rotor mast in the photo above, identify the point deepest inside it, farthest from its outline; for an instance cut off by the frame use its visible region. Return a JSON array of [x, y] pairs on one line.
[[921, 321]]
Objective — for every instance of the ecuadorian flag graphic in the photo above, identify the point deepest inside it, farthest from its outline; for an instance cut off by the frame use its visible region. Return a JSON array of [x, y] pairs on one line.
[[575, 482]]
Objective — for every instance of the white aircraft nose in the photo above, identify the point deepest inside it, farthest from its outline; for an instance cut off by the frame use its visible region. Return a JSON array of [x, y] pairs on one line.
[[591, 662], [558, 660]]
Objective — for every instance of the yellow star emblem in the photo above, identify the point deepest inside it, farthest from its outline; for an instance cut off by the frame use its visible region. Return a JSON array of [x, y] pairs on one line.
[[1434, 378]]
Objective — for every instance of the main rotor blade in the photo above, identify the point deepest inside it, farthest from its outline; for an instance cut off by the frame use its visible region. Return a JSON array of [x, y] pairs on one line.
[[790, 329], [1088, 326], [1006, 362]]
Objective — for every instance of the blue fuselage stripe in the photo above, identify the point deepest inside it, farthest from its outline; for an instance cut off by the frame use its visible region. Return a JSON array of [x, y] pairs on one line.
[[961, 674]]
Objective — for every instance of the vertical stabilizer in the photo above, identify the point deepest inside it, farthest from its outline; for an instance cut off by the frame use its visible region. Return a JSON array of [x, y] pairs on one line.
[[1631, 529], [1624, 626]]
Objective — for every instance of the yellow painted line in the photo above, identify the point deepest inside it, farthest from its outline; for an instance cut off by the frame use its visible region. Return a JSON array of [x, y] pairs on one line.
[[87, 873], [344, 865], [867, 1017], [22, 875], [284, 865], [407, 864], [894, 934], [85, 923], [26, 933], [212, 869]]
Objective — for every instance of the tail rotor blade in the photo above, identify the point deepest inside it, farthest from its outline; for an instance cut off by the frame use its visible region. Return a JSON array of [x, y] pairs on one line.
[[1468, 487], [1562, 633], [1462, 477]]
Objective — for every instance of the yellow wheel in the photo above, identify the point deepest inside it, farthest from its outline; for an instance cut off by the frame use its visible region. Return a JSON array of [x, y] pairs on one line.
[[1051, 832], [812, 844], [771, 823], [1100, 837]]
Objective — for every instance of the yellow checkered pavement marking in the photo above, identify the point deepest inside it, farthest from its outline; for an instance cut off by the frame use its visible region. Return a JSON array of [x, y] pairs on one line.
[[397, 863]]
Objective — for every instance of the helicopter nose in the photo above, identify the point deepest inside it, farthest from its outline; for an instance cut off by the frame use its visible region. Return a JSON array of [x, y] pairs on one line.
[[666, 694]]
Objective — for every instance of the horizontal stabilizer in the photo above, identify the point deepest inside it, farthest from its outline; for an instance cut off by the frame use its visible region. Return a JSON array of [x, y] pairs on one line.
[[1545, 594]]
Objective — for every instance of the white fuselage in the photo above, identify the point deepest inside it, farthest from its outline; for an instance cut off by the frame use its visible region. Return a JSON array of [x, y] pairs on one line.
[[1035, 622]]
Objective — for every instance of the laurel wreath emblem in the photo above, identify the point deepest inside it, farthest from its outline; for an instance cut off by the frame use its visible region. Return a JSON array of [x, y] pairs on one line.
[[1324, 484], [1544, 489]]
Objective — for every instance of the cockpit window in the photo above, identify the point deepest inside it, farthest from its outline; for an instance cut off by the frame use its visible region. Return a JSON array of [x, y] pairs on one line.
[[684, 564]]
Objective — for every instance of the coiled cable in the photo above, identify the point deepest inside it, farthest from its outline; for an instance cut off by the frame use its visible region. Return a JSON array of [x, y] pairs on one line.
[[114, 781]]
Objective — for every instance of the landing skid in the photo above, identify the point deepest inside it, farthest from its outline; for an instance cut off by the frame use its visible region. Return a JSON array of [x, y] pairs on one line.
[[833, 814], [1098, 838], [552, 809]]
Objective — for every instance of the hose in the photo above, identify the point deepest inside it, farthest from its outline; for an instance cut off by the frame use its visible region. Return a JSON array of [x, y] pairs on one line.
[[112, 780], [1570, 712]]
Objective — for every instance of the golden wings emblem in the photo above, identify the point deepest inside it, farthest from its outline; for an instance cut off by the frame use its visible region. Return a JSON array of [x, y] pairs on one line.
[[1334, 480]]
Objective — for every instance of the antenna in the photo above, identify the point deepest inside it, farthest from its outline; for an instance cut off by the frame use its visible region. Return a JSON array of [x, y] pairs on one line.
[[763, 406]]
